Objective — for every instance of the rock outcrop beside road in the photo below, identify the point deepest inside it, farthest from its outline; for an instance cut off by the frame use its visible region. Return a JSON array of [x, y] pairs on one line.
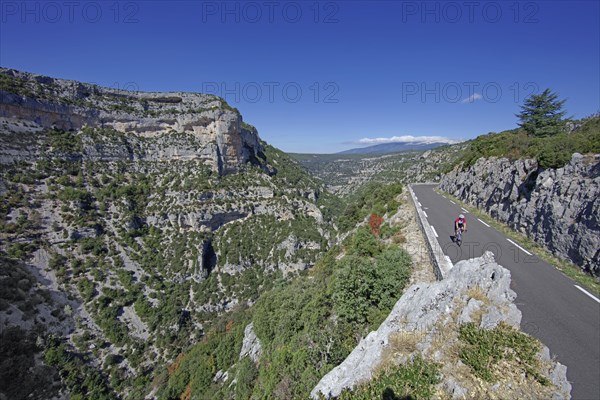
[[475, 290], [558, 208]]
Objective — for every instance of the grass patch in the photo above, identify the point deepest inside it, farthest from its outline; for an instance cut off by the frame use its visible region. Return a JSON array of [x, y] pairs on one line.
[[415, 380], [483, 350], [566, 267], [405, 342], [477, 294]]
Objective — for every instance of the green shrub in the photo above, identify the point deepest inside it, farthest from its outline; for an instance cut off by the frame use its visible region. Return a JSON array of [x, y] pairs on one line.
[[356, 289], [366, 290], [394, 267], [245, 376], [82, 380], [217, 351], [364, 243], [21, 251]]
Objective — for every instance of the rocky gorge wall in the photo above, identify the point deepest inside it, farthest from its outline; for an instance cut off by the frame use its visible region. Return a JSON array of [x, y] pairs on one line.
[[558, 208], [126, 168], [211, 130]]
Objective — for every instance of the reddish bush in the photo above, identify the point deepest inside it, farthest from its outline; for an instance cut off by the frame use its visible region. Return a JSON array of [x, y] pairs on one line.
[[375, 223]]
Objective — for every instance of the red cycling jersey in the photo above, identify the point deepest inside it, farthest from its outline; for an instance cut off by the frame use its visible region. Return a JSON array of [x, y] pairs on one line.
[[460, 221]]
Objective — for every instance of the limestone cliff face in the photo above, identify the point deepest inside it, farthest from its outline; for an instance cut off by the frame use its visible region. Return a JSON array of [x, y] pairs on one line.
[[213, 131], [558, 208], [182, 164]]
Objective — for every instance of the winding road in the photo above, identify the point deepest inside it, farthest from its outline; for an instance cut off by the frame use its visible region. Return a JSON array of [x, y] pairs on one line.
[[555, 309]]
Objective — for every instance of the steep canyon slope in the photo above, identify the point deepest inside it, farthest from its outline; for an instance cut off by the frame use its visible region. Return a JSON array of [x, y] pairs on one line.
[[139, 218]]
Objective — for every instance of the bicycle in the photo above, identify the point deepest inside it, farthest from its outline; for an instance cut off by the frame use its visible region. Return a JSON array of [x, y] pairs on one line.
[[458, 238]]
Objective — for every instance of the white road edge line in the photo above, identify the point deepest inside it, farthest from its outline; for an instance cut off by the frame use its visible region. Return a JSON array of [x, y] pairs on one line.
[[588, 293], [434, 232], [464, 210], [528, 253], [483, 223], [426, 216], [420, 205], [452, 202]]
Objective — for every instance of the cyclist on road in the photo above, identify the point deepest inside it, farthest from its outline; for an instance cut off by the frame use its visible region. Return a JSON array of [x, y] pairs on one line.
[[460, 223]]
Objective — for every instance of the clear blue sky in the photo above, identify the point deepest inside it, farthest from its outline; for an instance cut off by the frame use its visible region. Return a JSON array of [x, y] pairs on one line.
[[366, 69]]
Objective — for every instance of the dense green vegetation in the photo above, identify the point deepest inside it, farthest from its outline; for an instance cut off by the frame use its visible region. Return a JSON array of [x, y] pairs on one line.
[[82, 380], [551, 152], [310, 324], [193, 371], [296, 322], [366, 289], [372, 198], [543, 135]]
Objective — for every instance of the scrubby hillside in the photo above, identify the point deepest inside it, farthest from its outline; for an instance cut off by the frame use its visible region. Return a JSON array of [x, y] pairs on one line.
[[302, 328], [347, 174], [555, 151], [151, 214]]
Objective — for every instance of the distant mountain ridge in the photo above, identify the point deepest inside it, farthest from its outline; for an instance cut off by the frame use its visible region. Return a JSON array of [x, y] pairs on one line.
[[395, 147]]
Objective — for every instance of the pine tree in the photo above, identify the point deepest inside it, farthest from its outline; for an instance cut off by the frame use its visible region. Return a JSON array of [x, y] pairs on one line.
[[541, 115]]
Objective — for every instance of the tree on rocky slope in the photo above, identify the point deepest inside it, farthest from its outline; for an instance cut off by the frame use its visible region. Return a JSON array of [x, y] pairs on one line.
[[542, 114]]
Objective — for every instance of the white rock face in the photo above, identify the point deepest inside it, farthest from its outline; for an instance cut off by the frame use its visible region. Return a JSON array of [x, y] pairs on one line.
[[251, 345], [205, 127], [136, 326], [425, 307], [557, 208]]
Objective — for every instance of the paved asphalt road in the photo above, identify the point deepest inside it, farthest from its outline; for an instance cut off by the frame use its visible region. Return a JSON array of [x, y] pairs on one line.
[[562, 316]]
